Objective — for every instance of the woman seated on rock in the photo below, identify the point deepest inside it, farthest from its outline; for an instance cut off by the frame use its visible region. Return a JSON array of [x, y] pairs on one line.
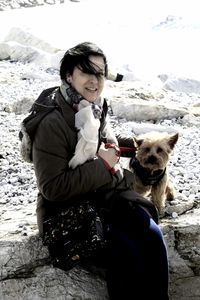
[[87, 212]]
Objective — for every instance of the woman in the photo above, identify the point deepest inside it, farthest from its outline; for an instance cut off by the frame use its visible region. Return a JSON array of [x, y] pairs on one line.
[[135, 255]]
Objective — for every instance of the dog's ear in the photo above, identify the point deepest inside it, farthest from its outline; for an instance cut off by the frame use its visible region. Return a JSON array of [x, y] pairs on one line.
[[173, 140], [137, 142]]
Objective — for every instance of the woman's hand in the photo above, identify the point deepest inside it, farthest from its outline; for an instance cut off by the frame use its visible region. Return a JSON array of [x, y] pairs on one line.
[[109, 155]]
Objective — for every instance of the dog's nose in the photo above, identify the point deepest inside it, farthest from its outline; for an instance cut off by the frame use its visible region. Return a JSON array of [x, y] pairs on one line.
[[151, 159]]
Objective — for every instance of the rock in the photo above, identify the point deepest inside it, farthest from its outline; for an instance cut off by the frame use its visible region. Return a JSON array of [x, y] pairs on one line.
[[140, 110], [19, 52], [26, 271], [16, 4], [51, 283], [26, 38], [179, 208], [20, 107], [192, 120], [187, 288], [195, 110], [182, 239], [180, 84]]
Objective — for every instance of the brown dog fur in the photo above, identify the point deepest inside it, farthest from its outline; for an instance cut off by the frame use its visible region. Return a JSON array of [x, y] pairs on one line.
[[153, 150]]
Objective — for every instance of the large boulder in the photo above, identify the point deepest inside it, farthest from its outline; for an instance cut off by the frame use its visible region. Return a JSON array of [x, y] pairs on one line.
[[26, 273], [183, 243]]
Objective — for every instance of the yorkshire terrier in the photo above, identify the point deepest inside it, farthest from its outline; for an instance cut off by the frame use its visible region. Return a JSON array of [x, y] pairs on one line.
[[149, 166]]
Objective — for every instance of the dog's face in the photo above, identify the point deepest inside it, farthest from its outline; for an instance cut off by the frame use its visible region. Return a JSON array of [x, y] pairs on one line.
[[154, 148]]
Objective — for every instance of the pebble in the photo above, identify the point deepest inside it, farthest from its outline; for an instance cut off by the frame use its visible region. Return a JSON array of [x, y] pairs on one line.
[[174, 215]]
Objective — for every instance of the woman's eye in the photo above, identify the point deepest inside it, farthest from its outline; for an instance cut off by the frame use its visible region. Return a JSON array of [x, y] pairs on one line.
[[102, 74]]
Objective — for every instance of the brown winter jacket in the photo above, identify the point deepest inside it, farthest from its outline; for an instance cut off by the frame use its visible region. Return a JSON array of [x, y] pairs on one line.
[[53, 147]]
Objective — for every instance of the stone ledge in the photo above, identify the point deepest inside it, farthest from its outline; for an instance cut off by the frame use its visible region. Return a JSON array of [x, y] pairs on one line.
[[186, 288], [26, 269], [49, 283], [183, 244]]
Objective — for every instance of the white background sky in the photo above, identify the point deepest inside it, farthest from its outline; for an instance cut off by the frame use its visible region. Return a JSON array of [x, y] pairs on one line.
[[121, 28]]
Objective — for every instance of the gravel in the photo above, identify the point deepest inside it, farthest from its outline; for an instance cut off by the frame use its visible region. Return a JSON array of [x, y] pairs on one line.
[[20, 84]]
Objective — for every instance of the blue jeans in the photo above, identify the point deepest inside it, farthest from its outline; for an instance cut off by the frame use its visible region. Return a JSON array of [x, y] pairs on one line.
[[137, 262]]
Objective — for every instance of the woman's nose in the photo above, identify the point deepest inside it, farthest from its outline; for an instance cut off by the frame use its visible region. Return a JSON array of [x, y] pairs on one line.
[[93, 78]]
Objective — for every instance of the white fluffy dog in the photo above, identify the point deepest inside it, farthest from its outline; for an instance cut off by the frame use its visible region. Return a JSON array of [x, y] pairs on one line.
[[87, 122], [88, 127]]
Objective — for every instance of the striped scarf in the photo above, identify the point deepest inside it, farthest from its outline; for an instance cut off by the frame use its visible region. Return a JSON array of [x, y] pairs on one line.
[[74, 99]]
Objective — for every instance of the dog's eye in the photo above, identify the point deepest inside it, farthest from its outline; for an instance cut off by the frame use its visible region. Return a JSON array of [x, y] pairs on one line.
[[159, 150], [147, 149]]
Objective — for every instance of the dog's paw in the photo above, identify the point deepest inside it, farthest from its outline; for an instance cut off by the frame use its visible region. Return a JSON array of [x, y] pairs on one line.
[[170, 194], [73, 163], [162, 213]]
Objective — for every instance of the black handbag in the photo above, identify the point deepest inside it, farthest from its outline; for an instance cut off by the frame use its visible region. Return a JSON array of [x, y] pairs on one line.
[[74, 234]]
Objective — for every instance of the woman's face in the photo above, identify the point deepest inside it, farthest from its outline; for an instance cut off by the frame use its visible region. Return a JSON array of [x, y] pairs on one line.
[[88, 85]]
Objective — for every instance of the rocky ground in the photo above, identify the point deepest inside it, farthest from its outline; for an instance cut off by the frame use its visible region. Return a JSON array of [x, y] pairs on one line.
[[20, 85], [18, 187], [15, 4]]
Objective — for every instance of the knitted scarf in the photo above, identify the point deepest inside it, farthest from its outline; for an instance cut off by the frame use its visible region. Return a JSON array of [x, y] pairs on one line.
[[74, 99]]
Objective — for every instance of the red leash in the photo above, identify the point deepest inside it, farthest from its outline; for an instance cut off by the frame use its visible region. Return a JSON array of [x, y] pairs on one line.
[[127, 149], [120, 150]]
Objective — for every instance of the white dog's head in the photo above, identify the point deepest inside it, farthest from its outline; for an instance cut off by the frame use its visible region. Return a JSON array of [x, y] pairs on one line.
[[87, 124]]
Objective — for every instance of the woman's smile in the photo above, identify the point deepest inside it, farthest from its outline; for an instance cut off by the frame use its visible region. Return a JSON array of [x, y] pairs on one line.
[[91, 89]]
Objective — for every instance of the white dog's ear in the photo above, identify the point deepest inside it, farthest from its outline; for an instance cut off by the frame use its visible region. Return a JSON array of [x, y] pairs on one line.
[[173, 140]]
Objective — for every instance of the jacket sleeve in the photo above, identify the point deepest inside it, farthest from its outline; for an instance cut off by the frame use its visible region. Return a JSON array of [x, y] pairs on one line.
[[52, 150]]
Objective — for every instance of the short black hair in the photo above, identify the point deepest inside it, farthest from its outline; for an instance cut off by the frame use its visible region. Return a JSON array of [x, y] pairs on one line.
[[79, 56]]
